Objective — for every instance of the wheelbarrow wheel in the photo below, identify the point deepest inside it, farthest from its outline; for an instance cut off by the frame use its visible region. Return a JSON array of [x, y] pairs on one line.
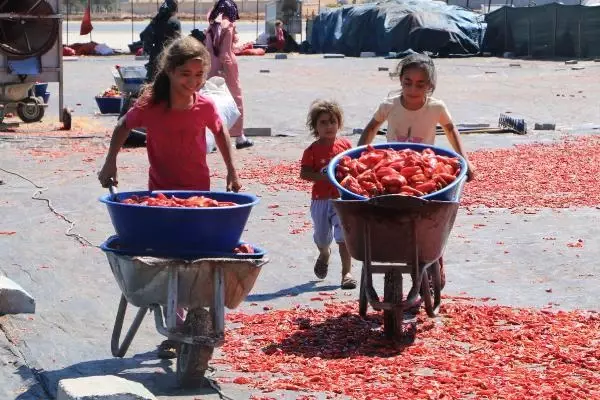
[[362, 295], [431, 290], [30, 110], [393, 320], [192, 359]]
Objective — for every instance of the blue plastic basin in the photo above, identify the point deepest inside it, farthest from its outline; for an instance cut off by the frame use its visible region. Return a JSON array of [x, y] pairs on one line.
[[109, 105], [113, 245], [452, 192], [171, 231], [40, 89]]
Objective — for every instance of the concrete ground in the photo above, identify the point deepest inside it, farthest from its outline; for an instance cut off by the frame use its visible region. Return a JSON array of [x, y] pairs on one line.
[[76, 294]]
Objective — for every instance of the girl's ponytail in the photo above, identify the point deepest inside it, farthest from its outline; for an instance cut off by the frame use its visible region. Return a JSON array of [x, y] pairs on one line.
[[161, 88]]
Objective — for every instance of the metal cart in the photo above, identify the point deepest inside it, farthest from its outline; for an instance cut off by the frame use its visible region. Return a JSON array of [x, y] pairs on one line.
[[396, 236], [162, 285]]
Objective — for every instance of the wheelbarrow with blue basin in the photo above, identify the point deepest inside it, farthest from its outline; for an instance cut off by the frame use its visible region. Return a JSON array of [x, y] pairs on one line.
[[201, 278]]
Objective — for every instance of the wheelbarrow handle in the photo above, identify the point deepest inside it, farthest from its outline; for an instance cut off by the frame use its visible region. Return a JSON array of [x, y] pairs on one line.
[[112, 189]]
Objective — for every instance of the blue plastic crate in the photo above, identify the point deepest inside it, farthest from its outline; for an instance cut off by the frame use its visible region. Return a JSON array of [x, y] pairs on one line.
[[130, 79]]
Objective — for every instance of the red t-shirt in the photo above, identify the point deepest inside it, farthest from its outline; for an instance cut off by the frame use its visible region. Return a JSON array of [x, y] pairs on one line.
[[317, 156], [176, 143]]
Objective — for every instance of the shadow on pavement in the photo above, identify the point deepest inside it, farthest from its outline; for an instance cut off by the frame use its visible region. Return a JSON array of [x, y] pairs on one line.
[[292, 291], [158, 376]]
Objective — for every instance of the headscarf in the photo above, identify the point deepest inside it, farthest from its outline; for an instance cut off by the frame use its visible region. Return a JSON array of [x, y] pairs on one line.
[[229, 10], [166, 9], [226, 7]]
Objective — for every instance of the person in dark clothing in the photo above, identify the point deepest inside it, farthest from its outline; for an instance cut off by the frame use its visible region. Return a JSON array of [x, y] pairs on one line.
[[282, 41], [199, 36], [163, 28]]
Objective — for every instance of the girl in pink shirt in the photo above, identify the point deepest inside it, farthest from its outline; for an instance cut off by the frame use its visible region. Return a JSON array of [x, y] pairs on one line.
[[175, 117]]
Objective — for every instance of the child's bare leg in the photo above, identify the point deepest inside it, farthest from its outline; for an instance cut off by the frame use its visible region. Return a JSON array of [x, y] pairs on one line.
[[322, 235], [346, 259], [322, 263], [348, 282], [324, 254]]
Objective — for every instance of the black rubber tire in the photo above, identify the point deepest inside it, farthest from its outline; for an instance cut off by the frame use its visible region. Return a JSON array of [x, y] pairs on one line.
[[431, 291], [192, 360], [128, 102], [31, 111], [392, 293]]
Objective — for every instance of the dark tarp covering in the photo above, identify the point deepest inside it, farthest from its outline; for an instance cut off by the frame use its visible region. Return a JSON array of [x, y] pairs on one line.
[[551, 30], [398, 25]]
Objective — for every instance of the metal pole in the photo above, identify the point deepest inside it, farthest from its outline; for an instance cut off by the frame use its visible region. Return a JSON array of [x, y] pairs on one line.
[[194, 14], [61, 67], [529, 36], [505, 29], [67, 24], [554, 33], [579, 36], [132, 21], [257, 18]]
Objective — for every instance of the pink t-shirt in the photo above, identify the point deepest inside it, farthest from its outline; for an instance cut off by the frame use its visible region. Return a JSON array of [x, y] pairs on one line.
[[176, 143]]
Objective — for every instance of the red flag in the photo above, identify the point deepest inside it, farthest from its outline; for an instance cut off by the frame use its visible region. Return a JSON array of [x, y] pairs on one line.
[[86, 22]]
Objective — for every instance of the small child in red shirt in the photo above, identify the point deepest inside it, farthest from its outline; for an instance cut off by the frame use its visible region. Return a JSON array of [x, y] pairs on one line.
[[324, 120], [175, 116]]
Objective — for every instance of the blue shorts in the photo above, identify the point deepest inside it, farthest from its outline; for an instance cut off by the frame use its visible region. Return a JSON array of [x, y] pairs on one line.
[[326, 223]]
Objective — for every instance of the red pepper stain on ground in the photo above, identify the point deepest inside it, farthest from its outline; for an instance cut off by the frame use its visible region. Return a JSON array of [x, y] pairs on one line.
[[578, 244], [556, 175], [473, 350], [80, 126], [90, 151], [277, 176]]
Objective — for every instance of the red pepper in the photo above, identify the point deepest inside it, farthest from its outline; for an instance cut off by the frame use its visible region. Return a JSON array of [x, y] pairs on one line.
[[426, 187], [407, 172], [385, 171], [378, 165], [161, 200]]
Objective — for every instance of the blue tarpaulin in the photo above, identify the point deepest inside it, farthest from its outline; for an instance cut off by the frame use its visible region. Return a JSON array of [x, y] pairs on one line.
[[398, 25]]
